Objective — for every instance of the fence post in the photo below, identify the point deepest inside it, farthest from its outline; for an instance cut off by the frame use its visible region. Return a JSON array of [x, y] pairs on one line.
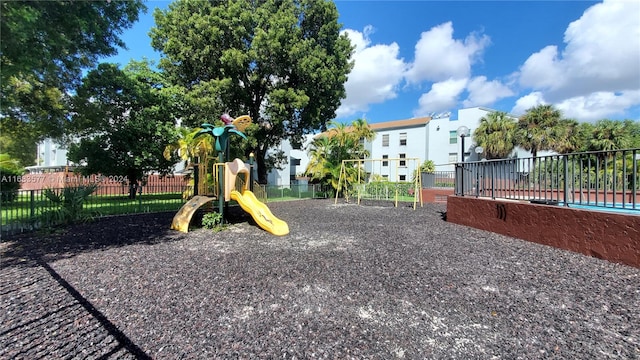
[[493, 177], [458, 180], [566, 180], [477, 170], [32, 205]]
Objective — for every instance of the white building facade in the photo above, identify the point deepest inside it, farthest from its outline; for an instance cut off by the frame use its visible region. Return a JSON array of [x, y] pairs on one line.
[[296, 163]]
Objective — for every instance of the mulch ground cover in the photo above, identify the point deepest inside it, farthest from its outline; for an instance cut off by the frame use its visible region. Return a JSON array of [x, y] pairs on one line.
[[348, 282]]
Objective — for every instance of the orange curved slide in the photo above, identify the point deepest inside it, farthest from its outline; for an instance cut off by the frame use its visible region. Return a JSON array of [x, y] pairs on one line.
[[260, 213]]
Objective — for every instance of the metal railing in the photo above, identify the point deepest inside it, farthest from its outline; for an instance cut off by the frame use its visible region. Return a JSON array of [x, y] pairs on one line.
[[290, 192], [438, 179], [31, 210], [606, 179]]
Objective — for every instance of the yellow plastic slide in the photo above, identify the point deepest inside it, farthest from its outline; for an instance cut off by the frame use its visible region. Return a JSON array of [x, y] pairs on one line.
[[183, 217], [260, 212]]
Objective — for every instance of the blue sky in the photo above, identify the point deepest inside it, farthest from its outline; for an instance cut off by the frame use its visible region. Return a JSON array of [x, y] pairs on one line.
[[415, 58]]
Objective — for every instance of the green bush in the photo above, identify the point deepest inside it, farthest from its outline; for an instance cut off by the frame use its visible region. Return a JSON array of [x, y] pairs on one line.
[[10, 184], [69, 202], [213, 221], [306, 194], [10, 177]]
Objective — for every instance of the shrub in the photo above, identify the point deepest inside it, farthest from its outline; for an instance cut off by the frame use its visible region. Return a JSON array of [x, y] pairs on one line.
[[213, 221], [69, 202], [10, 184], [10, 173]]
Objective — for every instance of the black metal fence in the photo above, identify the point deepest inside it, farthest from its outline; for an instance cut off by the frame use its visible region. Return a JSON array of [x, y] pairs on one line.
[[30, 210], [603, 179], [438, 179], [292, 192], [35, 209]]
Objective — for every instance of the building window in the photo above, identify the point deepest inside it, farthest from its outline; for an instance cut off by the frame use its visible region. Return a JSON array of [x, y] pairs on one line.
[[403, 139], [403, 162], [453, 157], [385, 162], [403, 177], [385, 140], [453, 137]]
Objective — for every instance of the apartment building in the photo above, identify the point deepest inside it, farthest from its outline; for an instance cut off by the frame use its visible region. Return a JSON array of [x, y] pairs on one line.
[[427, 138], [294, 166]]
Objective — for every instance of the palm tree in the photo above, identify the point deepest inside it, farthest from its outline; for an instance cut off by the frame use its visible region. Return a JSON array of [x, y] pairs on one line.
[[536, 129], [362, 130], [633, 129], [609, 135], [319, 154], [340, 143], [191, 149], [496, 134], [570, 136]]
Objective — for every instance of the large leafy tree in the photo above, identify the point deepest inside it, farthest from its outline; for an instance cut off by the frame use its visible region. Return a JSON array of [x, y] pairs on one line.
[[283, 62], [124, 119], [44, 47], [496, 134], [17, 139]]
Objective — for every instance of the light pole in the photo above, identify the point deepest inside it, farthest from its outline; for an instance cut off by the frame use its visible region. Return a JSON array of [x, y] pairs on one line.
[[462, 132]]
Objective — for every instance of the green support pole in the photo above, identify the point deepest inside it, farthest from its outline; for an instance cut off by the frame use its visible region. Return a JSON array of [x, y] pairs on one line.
[[221, 186]]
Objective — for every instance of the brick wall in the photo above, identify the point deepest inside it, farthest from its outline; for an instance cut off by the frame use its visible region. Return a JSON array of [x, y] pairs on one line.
[[609, 236]]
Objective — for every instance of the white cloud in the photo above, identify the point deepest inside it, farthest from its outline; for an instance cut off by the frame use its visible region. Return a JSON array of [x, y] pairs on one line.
[[591, 107], [443, 96], [539, 71], [376, 75], [483, 92], [599, 105], [438, 56], [527, 102], [602, 54]]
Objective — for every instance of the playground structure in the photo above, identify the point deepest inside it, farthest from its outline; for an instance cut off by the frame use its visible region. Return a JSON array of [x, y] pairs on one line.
[[381, 179], [232, 181]]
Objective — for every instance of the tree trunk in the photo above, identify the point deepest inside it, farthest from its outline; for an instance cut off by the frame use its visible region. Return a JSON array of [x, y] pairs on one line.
[[133, 187], [262, 169]]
